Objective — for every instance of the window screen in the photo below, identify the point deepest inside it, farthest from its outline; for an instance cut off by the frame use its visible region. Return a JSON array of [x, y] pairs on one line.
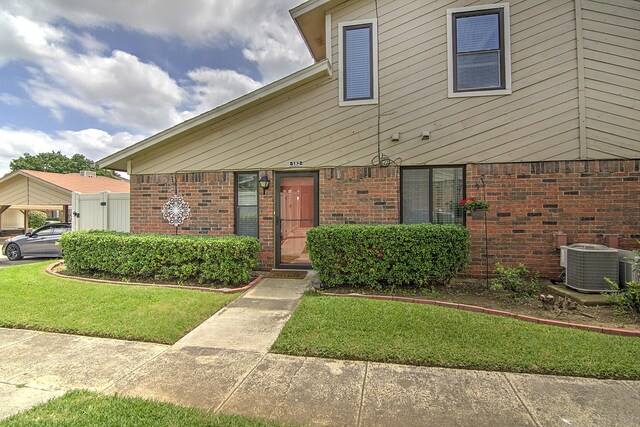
[[358, 62], [415, 196], [479, 52], [247, 204], [432, 195]]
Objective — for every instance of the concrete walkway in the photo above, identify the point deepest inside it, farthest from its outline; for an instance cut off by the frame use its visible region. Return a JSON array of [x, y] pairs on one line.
[[223, 365]]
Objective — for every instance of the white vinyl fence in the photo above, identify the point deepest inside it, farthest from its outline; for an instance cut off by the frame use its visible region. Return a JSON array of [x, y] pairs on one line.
[[101, 211]]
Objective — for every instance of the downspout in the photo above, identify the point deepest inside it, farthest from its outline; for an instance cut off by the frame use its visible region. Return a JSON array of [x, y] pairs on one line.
[[582, 108]]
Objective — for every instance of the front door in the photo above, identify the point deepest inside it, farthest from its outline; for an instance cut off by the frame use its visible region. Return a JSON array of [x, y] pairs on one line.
[[296, 213]]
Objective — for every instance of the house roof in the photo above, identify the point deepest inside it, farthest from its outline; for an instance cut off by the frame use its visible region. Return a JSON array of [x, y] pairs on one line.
[[75, 182], [119, 160], [310, 19]]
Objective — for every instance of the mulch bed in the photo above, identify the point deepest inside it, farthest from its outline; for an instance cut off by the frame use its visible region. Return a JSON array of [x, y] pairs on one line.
[[57, 269]]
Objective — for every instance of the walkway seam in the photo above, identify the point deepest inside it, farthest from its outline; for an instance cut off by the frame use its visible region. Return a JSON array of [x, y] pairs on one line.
[[364, 383], [239, 383], [22, 340], [286, 394], [521, 401], [24, 385], [631, 388], [140, 366]]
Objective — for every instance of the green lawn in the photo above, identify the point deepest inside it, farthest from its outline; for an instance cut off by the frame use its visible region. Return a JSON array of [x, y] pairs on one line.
[[33, 299], [391, 331], [81, 408]]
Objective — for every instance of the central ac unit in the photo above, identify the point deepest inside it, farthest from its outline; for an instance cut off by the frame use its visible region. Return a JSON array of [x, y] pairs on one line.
[[626, 262], [588, 265]]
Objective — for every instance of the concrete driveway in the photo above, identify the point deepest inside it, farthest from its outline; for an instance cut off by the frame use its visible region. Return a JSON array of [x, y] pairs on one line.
[[4, 262]]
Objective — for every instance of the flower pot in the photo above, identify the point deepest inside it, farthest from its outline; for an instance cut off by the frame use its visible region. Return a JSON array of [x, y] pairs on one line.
[[478, 214]]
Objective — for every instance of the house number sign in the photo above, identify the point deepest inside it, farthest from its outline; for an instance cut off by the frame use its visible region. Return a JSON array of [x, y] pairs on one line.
[[295, 163]]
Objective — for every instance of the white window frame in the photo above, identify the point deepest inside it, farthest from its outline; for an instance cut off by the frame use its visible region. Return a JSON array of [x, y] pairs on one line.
[[374, 48], [507, 51]]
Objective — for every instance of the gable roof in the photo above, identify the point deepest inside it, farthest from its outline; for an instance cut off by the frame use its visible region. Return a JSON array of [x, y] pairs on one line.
[[118, 161], [75, 182], [310, 20]]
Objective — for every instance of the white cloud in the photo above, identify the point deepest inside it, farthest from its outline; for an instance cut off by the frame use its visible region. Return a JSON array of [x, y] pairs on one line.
[[24, 39], [215, 87], [93, 143], [264, 27], [119, 89], [11, 100]]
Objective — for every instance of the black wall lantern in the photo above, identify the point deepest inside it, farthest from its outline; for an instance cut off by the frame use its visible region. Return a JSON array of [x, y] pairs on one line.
[[264, 183]]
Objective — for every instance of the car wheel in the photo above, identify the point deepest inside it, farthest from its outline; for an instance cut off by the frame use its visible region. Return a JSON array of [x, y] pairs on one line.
[[13, 252]]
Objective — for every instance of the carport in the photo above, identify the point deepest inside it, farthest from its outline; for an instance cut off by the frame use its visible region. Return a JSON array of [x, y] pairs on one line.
[[26, 190]]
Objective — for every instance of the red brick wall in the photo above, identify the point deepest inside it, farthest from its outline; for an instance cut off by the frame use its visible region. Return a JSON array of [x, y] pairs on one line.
[[531, 201], [364, 195], [210, 196], [266, 224]]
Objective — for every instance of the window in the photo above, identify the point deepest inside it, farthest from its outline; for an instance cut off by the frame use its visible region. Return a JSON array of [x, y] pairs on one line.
[[45, 231], [61, 229], [432, 195], [247, 204], [479, 50], [358, 46]]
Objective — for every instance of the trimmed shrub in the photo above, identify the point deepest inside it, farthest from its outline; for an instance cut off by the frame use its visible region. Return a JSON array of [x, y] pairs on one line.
[[224, 260], [515, 280], [379, 255], [36, 219]]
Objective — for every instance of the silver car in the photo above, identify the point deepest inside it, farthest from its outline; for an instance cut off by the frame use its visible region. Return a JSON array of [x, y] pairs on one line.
[[38, 243]]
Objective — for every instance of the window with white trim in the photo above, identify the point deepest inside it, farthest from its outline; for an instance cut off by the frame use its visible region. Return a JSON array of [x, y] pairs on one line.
[[358, 45], [479, 54]]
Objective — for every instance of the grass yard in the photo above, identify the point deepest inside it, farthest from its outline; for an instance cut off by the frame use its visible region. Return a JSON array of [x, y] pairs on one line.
[[391, 331], [81, 408], [33, 299]]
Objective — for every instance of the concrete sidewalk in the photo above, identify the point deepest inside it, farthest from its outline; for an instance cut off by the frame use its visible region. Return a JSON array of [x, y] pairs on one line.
[[223, 365]]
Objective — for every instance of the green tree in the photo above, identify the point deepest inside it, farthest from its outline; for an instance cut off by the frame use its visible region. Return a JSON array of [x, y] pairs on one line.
[[57, 162]]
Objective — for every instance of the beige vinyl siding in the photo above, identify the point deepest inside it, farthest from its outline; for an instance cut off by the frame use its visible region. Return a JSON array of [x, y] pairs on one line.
[[21, 190], [538, 121], [487, 129], [12, 218], [611, 31], [14, 191]]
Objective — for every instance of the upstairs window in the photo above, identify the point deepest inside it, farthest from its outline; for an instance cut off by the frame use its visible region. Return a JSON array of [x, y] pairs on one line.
[[359, 62], [479, 51]]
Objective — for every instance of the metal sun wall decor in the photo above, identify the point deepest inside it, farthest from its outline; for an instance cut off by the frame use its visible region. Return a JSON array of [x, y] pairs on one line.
[[176, 211]]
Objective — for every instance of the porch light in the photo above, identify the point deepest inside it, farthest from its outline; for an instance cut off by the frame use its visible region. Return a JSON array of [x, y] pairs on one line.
[[264, 183]]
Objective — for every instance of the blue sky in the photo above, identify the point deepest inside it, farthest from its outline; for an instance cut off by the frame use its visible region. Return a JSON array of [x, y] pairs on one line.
[[94, 76]]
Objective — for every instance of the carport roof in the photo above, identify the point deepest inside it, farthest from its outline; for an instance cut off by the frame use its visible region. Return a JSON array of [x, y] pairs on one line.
[[76, 182], [33, 188]]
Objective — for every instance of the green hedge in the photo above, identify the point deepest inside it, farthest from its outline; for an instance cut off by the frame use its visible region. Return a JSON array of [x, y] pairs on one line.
[[224, 260], [379, 255], [36, 219]]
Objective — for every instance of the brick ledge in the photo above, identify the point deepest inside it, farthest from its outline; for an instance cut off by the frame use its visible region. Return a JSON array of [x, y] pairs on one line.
[[248, 286], [465, 307]]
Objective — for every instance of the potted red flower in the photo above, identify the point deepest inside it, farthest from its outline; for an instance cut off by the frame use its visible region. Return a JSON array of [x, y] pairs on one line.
[[478, 208]]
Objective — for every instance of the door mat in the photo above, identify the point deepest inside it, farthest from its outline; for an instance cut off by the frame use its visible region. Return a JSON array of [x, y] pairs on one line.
[[286, 274]]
